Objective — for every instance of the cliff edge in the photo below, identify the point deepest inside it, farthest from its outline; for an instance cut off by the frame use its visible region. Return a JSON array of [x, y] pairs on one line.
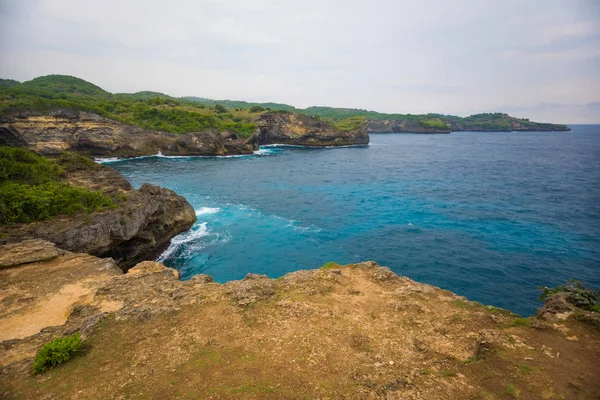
[[137, 227], [92, 135], [305, 130], [355, 332]]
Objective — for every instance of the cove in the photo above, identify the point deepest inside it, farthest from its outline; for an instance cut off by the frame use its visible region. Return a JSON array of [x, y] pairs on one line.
[[490, 216]]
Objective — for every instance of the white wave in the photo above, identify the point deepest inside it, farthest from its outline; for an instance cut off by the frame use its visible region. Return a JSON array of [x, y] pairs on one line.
[[106, 160], [183, 238], [265, 152], [313, 147], [207, 210]]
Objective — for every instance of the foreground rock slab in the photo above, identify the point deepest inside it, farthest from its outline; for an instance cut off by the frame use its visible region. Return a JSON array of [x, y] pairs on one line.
[[356, 332]]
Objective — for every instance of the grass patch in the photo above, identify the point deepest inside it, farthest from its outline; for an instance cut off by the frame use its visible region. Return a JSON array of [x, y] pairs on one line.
[[512, 391], [331, 265], [56, 352], [350, 124], [524, 369], [500, 311], [519, 322], [588, 320], [443, 373]]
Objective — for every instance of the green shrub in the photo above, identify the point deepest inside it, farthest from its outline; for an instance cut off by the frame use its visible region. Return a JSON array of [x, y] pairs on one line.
[[350, 124], [56, 352], [25, 166], [220, 109], [28, 203], [255, 109], [72, 162]]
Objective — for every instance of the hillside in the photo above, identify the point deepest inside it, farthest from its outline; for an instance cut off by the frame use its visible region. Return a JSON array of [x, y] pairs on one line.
[[158, 111], [146, 110]]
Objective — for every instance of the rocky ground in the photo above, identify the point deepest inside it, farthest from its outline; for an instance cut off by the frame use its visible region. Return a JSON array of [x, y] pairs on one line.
[[357, 332]]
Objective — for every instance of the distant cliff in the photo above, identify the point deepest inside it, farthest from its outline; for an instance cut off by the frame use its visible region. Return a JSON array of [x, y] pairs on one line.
[[405, 126], [304, 130]]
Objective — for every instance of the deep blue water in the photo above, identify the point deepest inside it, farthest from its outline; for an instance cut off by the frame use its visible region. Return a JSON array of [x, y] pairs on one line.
[[490, 216]]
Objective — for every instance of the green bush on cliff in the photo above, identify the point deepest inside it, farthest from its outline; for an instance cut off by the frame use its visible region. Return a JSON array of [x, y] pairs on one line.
[[25, 166], [56, 352], [31, 188], [21, 202]]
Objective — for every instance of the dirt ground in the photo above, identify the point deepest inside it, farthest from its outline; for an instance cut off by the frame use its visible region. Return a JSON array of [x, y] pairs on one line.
[[351, 332]]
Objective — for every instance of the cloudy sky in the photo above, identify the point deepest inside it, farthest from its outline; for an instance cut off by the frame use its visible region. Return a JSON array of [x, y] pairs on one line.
[[535, 58]]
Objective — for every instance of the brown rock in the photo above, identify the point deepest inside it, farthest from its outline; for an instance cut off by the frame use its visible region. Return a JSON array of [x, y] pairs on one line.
[[304, 130], [28, 251]]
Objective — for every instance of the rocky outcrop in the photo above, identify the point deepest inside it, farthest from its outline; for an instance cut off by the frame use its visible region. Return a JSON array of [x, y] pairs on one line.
[[139, 228], [305, 130], [93, 135], [355, 331], [401, 126]]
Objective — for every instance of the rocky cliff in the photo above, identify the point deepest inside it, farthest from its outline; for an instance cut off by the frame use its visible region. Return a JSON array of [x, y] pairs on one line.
[[402, 126], [90, 134], [304, 130], [340, 332], [139, 228]]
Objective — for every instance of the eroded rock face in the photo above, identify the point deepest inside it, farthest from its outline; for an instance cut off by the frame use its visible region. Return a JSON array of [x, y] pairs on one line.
[[304, 130], [91, 134], [139, 229]]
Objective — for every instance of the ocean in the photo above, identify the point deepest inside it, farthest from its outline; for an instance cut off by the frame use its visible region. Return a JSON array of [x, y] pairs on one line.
[[490, 216]]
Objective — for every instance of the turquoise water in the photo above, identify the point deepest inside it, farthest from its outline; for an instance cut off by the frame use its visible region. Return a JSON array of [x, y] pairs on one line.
[[490, 216]]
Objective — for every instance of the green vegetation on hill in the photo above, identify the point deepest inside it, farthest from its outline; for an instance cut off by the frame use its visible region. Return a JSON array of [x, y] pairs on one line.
[[148, 110], [32, 188], [154, 110], [349, 124]]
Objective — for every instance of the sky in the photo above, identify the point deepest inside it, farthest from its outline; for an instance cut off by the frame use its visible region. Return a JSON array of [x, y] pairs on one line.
[[538, 59]]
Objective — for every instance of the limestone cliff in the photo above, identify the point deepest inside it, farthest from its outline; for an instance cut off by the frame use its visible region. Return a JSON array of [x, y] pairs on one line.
[[304, 130], [402, 126], [91, 134], [340, 332], [139, 228]]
